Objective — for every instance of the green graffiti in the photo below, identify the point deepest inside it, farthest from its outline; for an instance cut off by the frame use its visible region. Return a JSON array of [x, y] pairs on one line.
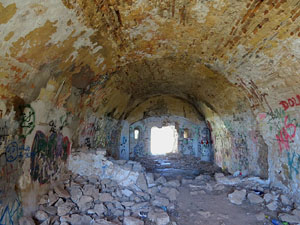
[[27, 120]]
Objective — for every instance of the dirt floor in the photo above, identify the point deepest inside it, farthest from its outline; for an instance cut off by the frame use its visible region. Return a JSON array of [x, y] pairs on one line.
[[203, 201], [214, 208]]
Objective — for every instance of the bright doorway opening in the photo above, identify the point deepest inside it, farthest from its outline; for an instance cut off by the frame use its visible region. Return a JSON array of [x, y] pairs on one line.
[[164, 140]]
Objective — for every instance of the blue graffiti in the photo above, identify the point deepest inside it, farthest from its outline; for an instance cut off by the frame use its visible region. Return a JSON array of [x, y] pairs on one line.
[[123, 147], [14, 151], [11, 151], [139, 149], [11, 214], [293, 166]]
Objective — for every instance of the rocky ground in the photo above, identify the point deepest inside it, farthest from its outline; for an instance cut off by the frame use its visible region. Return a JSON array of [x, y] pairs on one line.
[[144, 198]]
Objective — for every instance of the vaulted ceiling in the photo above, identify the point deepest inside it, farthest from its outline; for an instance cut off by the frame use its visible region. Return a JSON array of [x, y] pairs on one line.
[[117, 52]]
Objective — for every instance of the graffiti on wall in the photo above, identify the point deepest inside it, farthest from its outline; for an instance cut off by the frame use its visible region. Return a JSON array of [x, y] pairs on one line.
[[14, 151], [205, 143], [27, 120], [47, 154], [137, 146], [59, 126], [10, 214], [4, 133], [291, 102], [286, 135], [240, 150], [186, 146], [138, 150], [293, 163], [98, 133], [123, 146]]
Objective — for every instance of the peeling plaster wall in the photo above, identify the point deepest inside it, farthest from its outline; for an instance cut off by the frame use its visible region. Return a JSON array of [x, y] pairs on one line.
[[13, 152], [35, 145], [238, 143]]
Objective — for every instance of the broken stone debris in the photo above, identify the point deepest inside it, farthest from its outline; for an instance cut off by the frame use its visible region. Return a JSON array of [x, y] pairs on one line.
[[258, 192], [122, 194], [237, 197]]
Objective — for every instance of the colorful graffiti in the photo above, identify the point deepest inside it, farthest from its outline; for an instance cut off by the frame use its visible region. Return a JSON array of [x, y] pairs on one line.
[[28, 120], [205, 145], [97, 132], [47, 154], [286, 135], [11, 213], [291, 102]]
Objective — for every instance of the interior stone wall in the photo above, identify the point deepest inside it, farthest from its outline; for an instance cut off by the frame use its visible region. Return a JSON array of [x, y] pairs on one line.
[[198, 143]]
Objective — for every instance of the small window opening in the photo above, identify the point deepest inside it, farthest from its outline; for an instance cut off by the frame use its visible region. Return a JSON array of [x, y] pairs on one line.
[[163, 140], [186, 133], [136, 133]]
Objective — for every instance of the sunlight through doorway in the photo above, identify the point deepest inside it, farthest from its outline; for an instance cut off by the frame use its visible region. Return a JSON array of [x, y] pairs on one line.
[[163, 140]]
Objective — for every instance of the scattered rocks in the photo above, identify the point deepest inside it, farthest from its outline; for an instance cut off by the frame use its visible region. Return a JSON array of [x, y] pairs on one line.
[[126, 197], [289, 218], [132, 221], [125, 194], [26, 221], [255, 199], [141, 182], [220, 178], [162, 218], [85, 203], [237, 197], [61, 192], [272, 206], [268, 197], [41, 216], [285, 200], [105, 197]]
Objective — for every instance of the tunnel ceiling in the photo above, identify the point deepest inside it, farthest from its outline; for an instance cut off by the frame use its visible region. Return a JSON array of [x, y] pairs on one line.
[[213, 51]]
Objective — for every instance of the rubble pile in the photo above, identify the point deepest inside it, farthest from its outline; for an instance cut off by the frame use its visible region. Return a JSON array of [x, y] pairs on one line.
[[258, 192], [123, 194]]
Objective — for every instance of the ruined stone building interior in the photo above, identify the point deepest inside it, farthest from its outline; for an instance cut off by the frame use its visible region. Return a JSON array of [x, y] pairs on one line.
[[149, 112]]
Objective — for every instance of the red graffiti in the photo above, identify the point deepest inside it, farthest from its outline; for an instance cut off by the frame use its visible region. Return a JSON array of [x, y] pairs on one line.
[[291, 102], [284, 137]]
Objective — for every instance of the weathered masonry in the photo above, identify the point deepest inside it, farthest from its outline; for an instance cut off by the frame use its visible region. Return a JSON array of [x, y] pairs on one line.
[[79, 76]]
